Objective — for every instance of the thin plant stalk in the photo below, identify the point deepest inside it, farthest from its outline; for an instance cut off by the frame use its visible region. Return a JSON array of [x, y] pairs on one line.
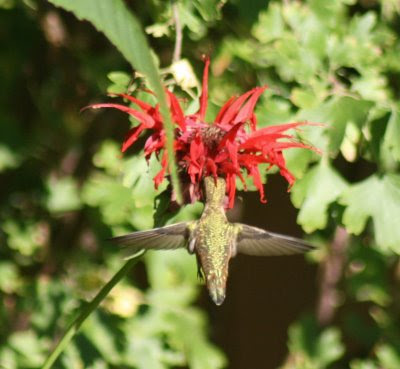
[[87, 310]]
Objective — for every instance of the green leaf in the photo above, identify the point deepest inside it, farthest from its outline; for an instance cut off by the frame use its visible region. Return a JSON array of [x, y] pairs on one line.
[[120, 82], [317, 349], [270, 25], [146, 353], [378, 198], [100, 337], [119, 78], [343, 110], [8, 158], [313, 193], [29, 347], [209, 10], [122, 28], [109, 157], [391, 139], [25, 237], [303, 98], [62, 195], [388, 356], [113, 199], [188, 326], [371, 86], [10, 281], [363, 364]]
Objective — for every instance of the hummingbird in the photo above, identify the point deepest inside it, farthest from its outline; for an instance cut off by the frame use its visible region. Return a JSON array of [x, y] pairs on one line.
[[213, 239]]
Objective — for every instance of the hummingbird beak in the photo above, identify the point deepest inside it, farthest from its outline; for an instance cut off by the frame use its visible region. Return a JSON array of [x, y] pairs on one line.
[[217, 294]]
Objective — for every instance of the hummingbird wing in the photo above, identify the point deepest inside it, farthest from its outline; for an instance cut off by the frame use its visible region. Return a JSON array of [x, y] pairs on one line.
[[164, 238], [257, 241]]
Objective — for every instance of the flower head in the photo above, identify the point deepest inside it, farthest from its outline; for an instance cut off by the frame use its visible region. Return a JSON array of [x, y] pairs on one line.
[[230, 147]]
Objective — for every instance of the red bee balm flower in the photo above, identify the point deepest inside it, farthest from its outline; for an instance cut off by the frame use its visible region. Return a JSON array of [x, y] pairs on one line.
[[230, 147]]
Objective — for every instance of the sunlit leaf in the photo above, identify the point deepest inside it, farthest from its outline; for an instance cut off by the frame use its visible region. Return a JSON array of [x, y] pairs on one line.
[[377, 198], [313, 194]]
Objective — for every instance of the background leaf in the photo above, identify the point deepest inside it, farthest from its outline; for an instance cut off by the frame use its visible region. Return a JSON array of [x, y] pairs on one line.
[[313, 194], [378, 198]]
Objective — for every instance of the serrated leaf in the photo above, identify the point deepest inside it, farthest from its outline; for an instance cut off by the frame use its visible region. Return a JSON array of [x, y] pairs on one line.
[[343, 110], [361, 26], [313, 193], [379, 199], [270, 24]]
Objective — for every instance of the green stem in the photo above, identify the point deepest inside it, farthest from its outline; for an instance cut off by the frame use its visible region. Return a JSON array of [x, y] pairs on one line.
[[87, 310]]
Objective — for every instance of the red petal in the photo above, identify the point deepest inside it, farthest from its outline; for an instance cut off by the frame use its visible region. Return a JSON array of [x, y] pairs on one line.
[[280, 162], [196, 159], [255, 173], [211, 167], [176, 111], [253, 120], [248, 160], [256, 142], [144, 118], [246, 112], [230, 135], [279, 128], [231, 189], [224, 108], [204, 93], [292, 145], [161, 174], [146, 107], [154, 143], [132, 136], [196, 149], [234, 108]]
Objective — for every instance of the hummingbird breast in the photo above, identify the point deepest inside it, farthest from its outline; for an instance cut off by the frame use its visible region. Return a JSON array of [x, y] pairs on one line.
[[214, 241]]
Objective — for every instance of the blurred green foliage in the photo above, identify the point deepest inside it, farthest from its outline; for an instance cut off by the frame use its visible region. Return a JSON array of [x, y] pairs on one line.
[[65, 187]]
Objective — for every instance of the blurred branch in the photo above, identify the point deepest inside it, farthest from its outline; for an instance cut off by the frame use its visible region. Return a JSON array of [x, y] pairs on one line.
[[54, 29], [87, 310], [331, 272], [178, 32]]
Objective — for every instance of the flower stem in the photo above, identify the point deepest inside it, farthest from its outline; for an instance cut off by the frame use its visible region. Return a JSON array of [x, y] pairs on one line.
[[87, 310], [178, 32]]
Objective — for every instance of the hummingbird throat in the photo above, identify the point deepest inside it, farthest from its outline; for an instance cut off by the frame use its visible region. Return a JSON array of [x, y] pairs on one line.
[[215, 191]]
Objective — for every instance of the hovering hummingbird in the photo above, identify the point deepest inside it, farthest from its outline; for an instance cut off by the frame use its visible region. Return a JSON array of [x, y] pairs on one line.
[[213, 239]]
